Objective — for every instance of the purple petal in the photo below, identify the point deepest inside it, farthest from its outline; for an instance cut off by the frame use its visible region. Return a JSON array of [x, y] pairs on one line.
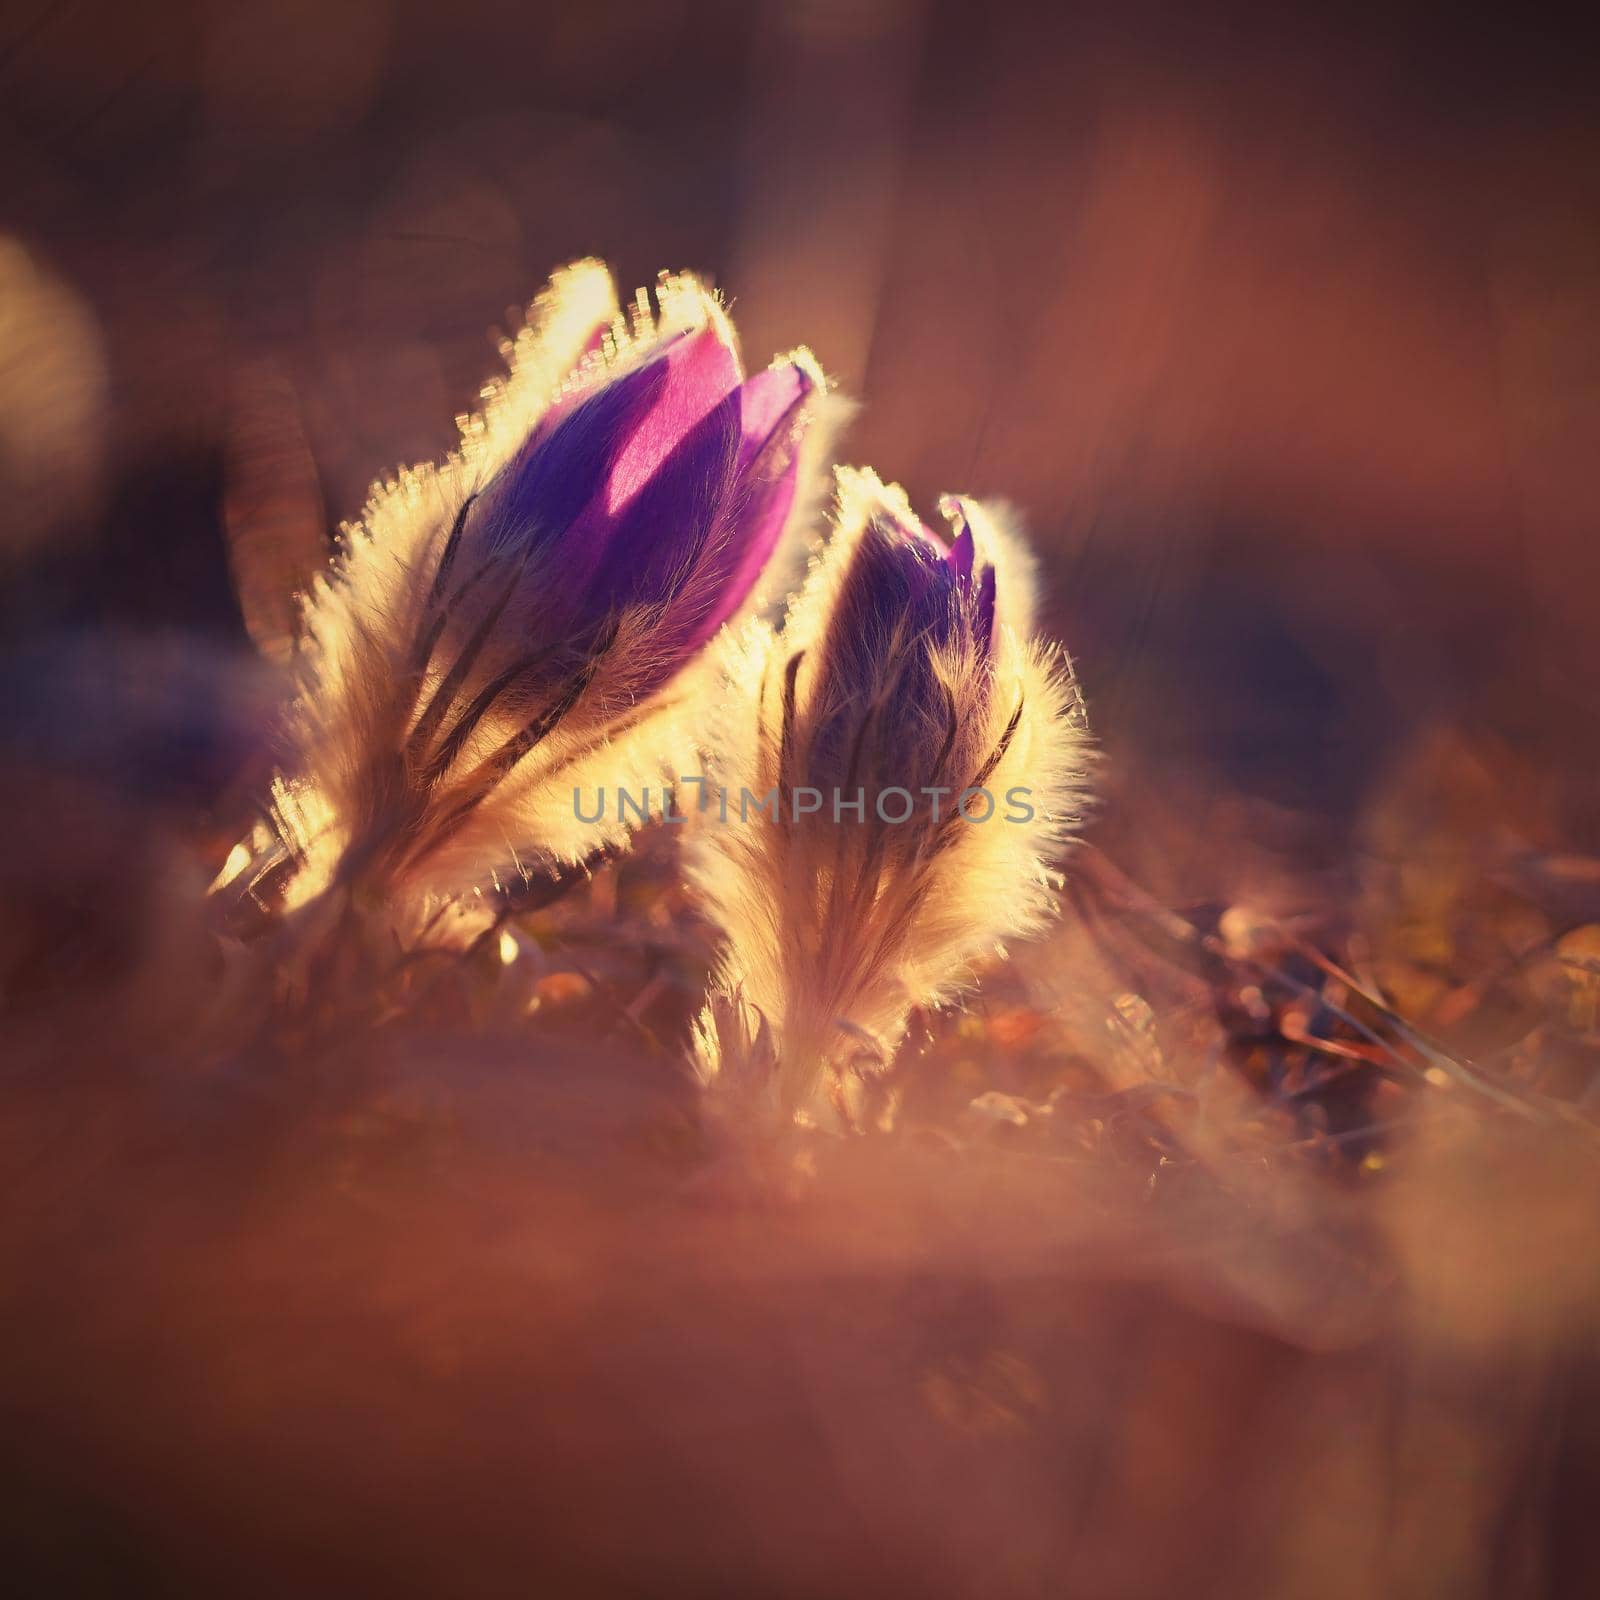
[[896, 521], [543, 490], [954, 510], [768, 402], [902, 582], [760, 495], [918, 559], [662, 487], [772, 424], [702, 370], [960, 557], [896, 589], [983, 611], [654, 546], [743, 557], [577, 472]]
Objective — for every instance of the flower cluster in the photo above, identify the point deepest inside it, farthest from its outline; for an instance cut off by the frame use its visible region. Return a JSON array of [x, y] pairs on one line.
[[578, 597]]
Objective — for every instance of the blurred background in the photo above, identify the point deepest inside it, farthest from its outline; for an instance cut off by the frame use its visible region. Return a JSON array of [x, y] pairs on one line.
[[1278, 325]]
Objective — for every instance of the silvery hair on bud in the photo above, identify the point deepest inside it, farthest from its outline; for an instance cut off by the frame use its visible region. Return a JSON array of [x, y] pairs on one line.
[[834, 930], [444, 720]]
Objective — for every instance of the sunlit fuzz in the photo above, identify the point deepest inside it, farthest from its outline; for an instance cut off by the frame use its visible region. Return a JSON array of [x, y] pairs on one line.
[[529, 618], [929, 758]]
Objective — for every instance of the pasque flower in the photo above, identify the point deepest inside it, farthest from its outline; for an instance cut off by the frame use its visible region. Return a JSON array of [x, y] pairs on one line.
[[542, 599], [928, 758]]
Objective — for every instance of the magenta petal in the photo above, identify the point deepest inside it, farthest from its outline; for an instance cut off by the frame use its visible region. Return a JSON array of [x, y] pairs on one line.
[[662, 539], [963, 551], [983, 611], [687, 377], [961, 547], [764, 482], [960, 557], [557, 474], [702, 370], [765, 401], [772, 426], [761, 525]]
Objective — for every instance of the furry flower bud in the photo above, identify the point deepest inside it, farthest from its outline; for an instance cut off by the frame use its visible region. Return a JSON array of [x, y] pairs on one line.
[[664, 485], [538, 601], [951, 751]]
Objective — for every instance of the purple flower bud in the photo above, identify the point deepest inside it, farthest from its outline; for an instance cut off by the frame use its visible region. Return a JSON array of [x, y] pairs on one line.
[[915, 617], [904, 577], [896, 730], [666, 486], [490, 628], [961, 558]]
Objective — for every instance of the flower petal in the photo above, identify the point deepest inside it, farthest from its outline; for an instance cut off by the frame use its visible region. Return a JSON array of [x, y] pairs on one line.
[[771, 400], [773, 416], [721, 548], [587, 462], [653, 546], [544, 489], [960, 556], [983, 611], [701, 370]]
